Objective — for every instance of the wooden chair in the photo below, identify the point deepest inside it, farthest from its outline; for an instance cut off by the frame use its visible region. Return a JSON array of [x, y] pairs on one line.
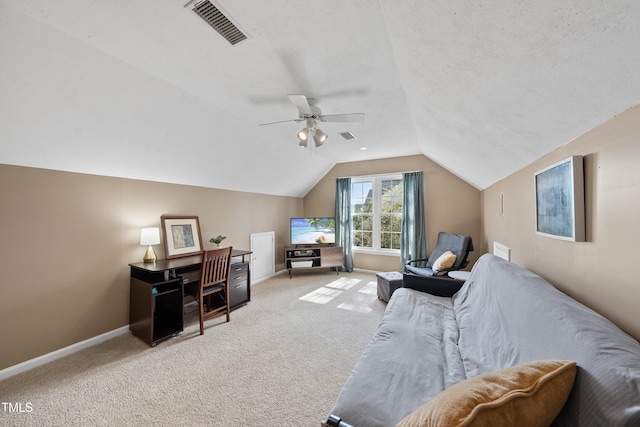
[[214, 285]]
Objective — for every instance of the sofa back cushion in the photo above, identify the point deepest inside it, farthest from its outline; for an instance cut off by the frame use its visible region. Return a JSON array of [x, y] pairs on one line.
[[508, 315]]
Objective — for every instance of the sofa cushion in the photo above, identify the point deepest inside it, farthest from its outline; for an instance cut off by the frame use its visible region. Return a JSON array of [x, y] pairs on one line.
[[530, 394], [412, 357], [508, 315], [444, 261]]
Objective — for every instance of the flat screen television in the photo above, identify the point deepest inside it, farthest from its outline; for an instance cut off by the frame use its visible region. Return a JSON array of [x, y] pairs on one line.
[[313, 230]]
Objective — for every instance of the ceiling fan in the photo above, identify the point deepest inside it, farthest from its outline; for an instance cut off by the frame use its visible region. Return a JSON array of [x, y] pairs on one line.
[[310, 113]]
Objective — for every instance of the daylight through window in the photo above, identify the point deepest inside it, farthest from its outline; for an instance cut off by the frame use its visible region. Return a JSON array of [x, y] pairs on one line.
[[376, 210]]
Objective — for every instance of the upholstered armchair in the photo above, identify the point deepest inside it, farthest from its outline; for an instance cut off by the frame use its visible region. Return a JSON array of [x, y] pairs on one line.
[[440, 262], [430, 275]]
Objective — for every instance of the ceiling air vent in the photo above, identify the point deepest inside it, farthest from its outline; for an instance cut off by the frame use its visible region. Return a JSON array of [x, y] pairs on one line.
[[347, 135], [216, 19]]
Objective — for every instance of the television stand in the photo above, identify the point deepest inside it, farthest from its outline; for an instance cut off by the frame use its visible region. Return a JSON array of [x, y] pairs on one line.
[[304, 257]]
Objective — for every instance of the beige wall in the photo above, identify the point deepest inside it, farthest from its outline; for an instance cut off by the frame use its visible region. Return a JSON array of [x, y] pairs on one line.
[[67, 240], [601, 272], [450, 203]]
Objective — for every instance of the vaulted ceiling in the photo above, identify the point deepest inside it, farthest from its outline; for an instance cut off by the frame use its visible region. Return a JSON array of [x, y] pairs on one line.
[[146, 89]]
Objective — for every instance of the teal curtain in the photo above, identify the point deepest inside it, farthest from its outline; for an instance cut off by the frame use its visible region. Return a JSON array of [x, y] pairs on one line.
[[343, 220], [413, 240]]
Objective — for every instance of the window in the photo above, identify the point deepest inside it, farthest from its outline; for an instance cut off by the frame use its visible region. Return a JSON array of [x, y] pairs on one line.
[[376, 210]]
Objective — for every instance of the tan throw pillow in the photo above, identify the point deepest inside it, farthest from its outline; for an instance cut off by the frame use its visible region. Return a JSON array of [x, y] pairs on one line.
[[444, 261], [530, 394]]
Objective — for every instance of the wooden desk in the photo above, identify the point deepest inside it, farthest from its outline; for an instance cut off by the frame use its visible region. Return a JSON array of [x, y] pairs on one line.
[[167, 265], [157, 293]]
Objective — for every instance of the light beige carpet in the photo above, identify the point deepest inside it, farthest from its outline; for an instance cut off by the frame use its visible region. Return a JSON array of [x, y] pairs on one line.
[[281, 361]]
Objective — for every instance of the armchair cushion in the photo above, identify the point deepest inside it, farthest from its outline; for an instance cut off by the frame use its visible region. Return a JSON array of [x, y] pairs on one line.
[[421, 271], [457, 244]]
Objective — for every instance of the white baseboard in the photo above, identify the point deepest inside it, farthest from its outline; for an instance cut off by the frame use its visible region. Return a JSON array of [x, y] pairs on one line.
[[363, 270], [262, 279], [50, 357]]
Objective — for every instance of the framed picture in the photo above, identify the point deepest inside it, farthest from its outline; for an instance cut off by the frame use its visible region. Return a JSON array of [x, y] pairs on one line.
[[181, 235], [560, 200]]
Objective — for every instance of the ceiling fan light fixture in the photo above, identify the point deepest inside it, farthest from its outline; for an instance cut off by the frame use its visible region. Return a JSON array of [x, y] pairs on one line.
[[303, 135], [319, 137], [311, 114]]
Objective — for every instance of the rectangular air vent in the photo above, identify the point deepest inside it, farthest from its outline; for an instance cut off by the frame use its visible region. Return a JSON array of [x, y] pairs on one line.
[[347, 135], [502, 251], [219, 22]]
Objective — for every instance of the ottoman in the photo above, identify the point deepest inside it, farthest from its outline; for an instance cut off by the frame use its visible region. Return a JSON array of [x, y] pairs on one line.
[[387, 283]]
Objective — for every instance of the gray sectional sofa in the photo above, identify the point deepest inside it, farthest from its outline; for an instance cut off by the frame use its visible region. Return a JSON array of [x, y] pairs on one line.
[[502, 316]]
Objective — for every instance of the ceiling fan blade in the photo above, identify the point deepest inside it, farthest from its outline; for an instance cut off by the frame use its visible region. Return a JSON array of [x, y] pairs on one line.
[[282, 121], [351, 117], [300, 101]]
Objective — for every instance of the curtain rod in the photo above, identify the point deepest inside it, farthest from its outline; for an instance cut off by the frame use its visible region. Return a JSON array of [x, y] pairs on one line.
[[376, 174]]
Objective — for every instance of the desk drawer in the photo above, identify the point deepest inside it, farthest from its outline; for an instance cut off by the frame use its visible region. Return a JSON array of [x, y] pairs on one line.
[[239, 284], [239, 268], [238, 293]]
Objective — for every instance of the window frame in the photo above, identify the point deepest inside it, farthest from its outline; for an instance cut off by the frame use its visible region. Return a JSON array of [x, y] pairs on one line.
[[376, 213]]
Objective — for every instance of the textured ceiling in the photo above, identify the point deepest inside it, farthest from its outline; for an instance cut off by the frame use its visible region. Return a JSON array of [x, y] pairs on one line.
[[145, 89]]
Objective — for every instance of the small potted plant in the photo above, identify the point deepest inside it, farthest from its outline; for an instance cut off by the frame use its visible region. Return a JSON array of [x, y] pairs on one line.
[[218, 240]]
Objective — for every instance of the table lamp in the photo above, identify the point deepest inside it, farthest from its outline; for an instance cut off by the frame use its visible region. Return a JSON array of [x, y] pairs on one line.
[[149, 236]]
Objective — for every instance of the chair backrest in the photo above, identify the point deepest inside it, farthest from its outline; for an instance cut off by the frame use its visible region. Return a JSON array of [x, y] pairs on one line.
[[459, 245], [216, 267]]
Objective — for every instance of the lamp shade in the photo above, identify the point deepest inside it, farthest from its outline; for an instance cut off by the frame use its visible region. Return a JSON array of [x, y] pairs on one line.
[[319, 137], [303, 135], [150, 236]]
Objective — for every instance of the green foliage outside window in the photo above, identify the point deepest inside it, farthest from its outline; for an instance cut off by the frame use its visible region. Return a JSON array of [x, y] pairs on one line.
[[363, 231], [390, 217]]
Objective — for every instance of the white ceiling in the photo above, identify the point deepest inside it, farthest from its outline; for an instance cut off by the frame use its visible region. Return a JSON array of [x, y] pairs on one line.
[[145, 89]]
